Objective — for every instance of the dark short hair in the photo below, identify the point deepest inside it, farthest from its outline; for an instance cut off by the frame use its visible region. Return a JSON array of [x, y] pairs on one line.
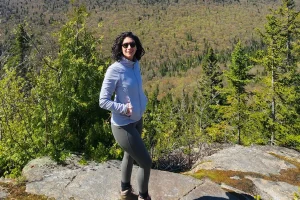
[[117, 46]]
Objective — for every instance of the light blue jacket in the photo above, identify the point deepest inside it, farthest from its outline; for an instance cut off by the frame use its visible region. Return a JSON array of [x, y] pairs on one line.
[[124, 80]]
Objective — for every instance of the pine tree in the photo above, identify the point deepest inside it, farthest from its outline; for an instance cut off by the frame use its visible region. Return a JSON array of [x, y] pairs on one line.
[[20, 50], [59, 113], [235, 112], [16, 110], [208, 91], [80, 73], [278, 59], [160, 130], [290, 24], [213, 74], [149, 120]]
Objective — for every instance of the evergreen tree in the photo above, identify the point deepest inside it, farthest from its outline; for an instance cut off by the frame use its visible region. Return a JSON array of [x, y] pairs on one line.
[[17, 133], [189, 128], [235, 110], [80, 74], [160, 130], [59, 113], [208, 91], [279, 62], [290, 28], [20, 50], [149, 117], [213, 75]]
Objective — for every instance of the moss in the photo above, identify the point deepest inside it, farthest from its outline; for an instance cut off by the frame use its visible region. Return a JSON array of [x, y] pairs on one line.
[[220, 176], [17, 191], [291, 176]]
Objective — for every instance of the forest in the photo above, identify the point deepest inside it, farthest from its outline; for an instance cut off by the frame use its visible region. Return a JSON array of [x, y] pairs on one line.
[[214, 71]]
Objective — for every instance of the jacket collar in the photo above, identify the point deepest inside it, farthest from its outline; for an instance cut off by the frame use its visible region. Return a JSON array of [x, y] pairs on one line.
[[127, 63]]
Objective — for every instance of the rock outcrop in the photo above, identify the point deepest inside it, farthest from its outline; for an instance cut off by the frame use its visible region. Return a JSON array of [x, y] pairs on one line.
[[261, 165], [101, 181]]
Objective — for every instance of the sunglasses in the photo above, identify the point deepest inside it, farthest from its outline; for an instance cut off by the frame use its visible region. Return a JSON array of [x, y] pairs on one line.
[[132, 45]]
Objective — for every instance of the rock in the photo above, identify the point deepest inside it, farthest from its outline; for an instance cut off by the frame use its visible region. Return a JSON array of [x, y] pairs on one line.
[[3, 193], [235, 177], [281, 151], [102, 181], [238, 193], [38, 167], [274, 190], [262, 160], [210, 190], [244, 159], [96, 181]]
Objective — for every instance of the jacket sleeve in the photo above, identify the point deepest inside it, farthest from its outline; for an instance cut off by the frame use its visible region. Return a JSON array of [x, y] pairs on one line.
[[107, 90]]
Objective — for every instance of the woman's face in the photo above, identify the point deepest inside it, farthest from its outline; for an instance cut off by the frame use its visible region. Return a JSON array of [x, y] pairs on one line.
[[128, 48]]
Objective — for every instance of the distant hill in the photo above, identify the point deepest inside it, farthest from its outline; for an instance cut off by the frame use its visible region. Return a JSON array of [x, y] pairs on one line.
[[165, 28], [169, 29]]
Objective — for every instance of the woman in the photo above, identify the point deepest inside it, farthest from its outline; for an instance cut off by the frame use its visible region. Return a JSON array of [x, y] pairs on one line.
[[123, 78]]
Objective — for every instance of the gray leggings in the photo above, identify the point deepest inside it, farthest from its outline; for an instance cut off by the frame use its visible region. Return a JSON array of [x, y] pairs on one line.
[[129, 138]]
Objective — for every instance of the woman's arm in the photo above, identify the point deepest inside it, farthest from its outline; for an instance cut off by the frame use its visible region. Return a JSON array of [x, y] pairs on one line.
[[108, 88]]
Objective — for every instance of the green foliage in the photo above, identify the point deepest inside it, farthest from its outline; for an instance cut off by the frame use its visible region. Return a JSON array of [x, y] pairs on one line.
[[257, 197], [297, 195], [19, 142], [238, 71], [291, 140], [20, 48], [278, 60], [162, 24], [213, 76], [79, 73], [230, 108], [160, 126], [51, 108], [208, 94], [235, 111], [59, 112]]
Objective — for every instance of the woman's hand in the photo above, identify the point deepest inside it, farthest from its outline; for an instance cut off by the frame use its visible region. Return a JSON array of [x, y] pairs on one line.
[[129, 109]]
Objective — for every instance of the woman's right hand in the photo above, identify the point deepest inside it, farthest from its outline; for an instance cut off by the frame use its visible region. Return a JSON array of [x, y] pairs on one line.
[[129, 109]]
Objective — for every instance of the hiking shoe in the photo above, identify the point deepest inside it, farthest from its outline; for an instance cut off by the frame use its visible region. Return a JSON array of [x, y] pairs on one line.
[[128, 195], [148, 198]]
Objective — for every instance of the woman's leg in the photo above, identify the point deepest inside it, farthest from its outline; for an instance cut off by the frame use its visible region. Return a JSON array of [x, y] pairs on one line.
[[126, 168], [129, 138]]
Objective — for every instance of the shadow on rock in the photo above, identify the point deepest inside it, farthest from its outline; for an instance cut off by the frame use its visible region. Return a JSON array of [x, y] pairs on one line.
[[231, 196]]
